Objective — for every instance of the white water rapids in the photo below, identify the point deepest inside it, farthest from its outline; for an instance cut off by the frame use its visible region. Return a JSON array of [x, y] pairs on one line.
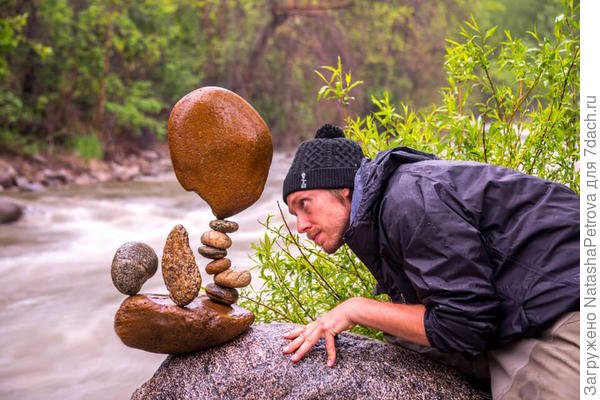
[[57, 307]]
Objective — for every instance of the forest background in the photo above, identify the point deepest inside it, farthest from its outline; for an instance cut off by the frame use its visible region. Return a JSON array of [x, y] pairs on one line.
[[87, 76]]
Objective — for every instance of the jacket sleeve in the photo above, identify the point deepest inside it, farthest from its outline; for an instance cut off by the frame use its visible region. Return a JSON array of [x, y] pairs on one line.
[[427, 226]]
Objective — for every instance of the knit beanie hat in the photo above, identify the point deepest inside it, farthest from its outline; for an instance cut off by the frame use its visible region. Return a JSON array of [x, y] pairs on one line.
[[329, 161]]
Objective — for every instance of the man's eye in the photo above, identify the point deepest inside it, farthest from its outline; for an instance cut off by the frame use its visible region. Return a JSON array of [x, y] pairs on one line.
[[303, 204]]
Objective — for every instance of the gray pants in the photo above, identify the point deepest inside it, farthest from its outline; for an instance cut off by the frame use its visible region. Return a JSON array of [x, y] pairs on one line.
[[544, 368]]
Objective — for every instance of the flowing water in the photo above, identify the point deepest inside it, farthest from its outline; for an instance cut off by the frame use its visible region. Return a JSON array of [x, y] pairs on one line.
[[57, 307]]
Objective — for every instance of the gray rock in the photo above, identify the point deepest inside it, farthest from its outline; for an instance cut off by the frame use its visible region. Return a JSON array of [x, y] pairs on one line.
[[222, 225], [10, 211], [133, 264], [7, 174], [252, 366]]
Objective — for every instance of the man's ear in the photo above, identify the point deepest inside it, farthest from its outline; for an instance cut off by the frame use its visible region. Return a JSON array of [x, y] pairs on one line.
[[347, 193]]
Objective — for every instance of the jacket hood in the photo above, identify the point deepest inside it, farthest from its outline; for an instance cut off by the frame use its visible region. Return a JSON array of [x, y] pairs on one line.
[[374, 173]]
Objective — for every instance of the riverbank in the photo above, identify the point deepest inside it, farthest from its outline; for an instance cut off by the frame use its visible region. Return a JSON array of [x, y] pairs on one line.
[[39, 172]]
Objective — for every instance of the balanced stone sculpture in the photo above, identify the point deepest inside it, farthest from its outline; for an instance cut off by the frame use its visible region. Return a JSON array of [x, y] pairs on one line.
[[226, 280], [222, 150]]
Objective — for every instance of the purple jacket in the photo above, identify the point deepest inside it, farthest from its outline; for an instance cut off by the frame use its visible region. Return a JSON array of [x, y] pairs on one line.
[[492, 253]]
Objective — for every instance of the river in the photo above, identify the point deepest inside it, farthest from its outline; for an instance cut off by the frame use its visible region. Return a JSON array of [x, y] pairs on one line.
[[58, 303]]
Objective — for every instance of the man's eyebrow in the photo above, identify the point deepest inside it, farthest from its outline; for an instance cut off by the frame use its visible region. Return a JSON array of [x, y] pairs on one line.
[[292, 204]]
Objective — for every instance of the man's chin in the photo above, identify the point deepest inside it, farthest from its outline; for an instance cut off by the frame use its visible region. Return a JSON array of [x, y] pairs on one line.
[[330, 249]]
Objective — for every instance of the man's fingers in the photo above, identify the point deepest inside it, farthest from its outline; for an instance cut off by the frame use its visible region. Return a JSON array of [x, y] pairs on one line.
[[295, 333], [294, 344], [330, 347], [309, 341]]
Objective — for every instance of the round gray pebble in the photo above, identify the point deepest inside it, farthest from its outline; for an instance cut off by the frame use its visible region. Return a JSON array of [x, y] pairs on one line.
[[133, 264]]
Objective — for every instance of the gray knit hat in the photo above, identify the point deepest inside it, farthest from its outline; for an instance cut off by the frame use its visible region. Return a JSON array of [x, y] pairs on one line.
[[329, 161]]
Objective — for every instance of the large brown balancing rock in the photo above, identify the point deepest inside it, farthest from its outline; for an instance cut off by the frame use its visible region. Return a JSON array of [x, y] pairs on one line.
[[221, 149], [179, 269], [154, 323]]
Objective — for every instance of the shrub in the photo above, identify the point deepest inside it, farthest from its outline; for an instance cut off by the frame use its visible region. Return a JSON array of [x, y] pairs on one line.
[[505, 104]]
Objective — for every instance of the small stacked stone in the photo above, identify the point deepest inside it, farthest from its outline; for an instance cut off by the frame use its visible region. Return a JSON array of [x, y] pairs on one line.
[[214, 246]]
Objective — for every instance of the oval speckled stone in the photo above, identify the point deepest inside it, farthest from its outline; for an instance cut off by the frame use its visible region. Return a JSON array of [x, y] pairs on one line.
[[133, 264], [221, 149], [224, 226], [216, 239], [217, 266], [211, 252], [179, 269], [221, 294], [232, 278]]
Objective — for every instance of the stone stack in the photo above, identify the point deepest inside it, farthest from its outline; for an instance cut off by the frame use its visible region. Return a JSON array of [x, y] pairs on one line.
[[226, 280], [181, 322]]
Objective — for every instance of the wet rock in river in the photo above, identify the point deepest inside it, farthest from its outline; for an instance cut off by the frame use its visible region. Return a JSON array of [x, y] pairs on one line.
[[133, 264], [154, 323], [221, 149], [232, 278], [10, 211], [221, 294], [179, 269], [224, 226], [216, 266], [216, 239]]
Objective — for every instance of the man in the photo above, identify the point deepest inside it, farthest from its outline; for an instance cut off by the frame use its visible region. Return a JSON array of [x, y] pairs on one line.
[[477, 259]]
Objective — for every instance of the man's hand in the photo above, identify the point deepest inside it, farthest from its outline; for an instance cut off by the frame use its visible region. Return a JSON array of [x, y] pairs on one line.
[[403, 320], [327, 326]]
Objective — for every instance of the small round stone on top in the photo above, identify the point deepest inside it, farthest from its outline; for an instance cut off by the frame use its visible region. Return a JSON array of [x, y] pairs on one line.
[[223, 226]]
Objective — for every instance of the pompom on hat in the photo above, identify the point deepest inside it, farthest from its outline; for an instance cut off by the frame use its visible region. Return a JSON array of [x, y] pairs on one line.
[[329, 161]]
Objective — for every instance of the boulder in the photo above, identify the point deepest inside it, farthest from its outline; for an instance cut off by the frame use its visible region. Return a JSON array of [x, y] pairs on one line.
[[10, 211], [152, 322], [221, 149], [253, 367], [8, 174]]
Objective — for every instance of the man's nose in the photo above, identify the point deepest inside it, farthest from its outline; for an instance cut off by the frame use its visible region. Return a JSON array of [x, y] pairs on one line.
[[302, 224]]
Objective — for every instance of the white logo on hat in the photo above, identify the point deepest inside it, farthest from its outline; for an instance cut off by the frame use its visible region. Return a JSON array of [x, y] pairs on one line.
[[303, 181]]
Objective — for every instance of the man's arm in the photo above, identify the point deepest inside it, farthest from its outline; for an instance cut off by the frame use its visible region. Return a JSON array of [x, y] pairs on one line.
[[401, 320]]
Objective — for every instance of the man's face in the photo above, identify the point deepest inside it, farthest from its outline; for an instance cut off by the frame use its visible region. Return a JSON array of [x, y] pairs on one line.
[[322, 215]]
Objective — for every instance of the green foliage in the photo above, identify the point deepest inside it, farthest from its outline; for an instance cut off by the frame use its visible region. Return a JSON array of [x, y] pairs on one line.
[[87, 147], [300, 282], [134, 107], [338, 85], [530, 124]]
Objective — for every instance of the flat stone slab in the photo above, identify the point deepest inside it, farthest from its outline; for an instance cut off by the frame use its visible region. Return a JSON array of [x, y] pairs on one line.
[[152, 322], [252, 366]]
